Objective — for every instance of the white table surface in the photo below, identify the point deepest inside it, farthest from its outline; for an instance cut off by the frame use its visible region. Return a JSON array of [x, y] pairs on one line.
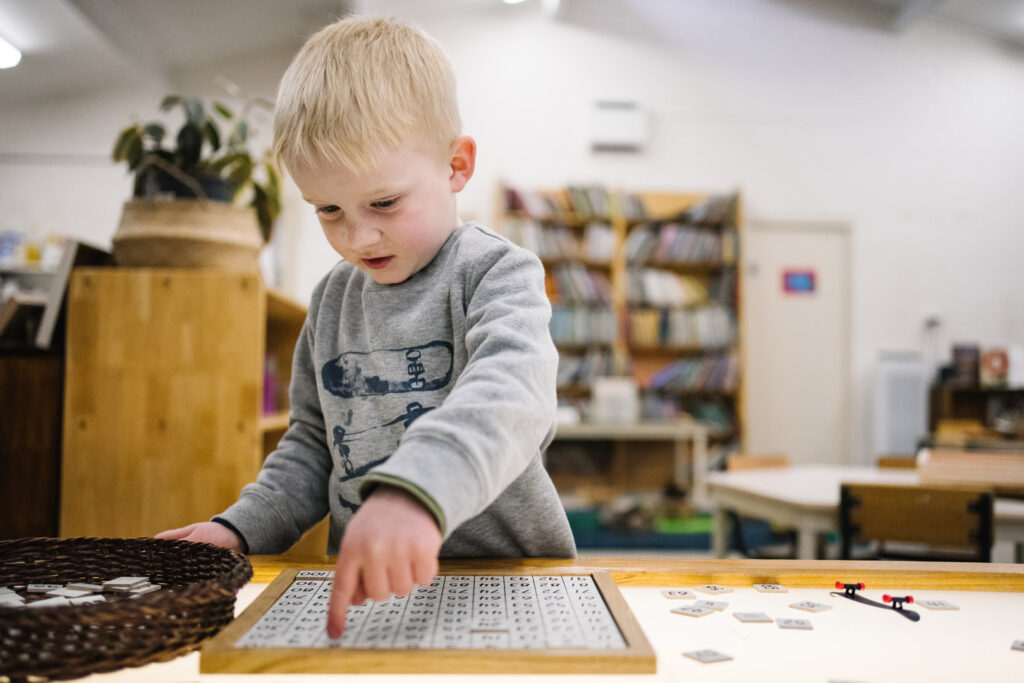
[[849, 642], [806, 497]]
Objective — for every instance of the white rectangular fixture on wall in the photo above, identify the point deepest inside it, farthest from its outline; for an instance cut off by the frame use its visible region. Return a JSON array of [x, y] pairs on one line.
[[618, 126]]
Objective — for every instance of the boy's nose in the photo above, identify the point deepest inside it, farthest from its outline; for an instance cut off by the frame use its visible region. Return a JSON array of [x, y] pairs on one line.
[[361, 235]]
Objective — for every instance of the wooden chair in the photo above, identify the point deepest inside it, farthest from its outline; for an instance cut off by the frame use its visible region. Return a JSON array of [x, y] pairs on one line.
[[737, 462], [943, 523]]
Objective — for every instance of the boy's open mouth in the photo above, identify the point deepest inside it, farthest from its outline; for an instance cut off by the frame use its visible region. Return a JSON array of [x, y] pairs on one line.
[[377, 263]]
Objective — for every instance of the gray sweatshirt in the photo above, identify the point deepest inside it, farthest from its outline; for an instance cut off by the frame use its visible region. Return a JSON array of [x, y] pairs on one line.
[[443, 385]]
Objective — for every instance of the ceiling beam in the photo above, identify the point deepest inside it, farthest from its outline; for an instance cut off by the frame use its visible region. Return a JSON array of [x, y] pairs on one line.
[[119, 29], [911, 11], [555, 9]]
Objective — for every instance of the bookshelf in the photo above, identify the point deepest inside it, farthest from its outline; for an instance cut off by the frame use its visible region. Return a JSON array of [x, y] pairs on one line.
[[643, 285]]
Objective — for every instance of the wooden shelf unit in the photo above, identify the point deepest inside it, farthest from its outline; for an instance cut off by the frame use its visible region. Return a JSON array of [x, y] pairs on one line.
[[947, 402], [644, 358], [597, 463], [163, 421]]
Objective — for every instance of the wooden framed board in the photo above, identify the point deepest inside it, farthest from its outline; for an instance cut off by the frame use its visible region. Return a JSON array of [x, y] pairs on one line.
[[530, 621]]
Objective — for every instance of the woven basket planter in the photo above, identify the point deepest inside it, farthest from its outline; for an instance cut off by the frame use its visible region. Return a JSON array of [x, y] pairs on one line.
[[197, 599], [188, 233]]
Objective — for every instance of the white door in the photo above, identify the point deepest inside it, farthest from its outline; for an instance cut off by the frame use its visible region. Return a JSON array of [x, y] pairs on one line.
[[796, 313]]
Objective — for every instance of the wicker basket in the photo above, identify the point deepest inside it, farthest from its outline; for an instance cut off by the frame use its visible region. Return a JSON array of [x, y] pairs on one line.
[[197, 599], [187, 233]]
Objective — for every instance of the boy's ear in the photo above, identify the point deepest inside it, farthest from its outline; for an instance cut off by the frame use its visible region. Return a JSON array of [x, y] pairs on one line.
[[463, 161]]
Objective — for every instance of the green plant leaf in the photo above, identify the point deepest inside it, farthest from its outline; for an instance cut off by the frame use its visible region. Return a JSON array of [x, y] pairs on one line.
[[124, 140], [239, 135], [170, 102], [273, 188], [194, 111], [265, 213], [222, 110], [135, 153], [241, 172], [190, 144], [273, 182], [156, 131], [218, 165], [211, 134]]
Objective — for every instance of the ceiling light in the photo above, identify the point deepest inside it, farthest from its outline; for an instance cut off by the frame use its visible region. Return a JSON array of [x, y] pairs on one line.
[[513, 2], [9, 55]]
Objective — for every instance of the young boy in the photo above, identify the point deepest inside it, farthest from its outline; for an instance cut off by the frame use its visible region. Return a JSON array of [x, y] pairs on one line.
[[422, 388]]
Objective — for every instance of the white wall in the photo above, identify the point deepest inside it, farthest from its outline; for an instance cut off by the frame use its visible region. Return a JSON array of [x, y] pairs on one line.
[[915, 139]]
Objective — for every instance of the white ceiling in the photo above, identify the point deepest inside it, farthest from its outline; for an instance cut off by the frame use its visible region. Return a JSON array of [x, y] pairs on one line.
[[71, 46]]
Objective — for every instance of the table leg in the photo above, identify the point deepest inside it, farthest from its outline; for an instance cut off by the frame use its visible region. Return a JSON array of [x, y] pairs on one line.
[[700, 469], [719, 532], [806, 542]]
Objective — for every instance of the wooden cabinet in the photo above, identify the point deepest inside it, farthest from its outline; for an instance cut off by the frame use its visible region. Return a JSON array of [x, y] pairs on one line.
[[164, 395]]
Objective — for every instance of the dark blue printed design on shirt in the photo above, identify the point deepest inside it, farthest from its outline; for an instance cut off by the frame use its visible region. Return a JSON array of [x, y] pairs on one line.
[[345, 440], [356, 374], [389, 371]]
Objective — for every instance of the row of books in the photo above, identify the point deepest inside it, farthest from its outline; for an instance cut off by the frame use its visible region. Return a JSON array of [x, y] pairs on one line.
[[583, 325], [722, 288], [719, 212], [580, 370], [711, 372], [577, 285], [713, 413], [649, 286], [554, 241], [707, 326], [680, 244], [994, 367], [590, 201], [598, 242], [654, 287], [534, 204], [582, 202]]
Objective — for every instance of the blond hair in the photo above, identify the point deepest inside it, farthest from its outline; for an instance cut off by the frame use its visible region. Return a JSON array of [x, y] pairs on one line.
[[360, 86]]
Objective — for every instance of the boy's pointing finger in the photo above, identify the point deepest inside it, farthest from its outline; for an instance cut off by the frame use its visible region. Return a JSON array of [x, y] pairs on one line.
[[346, 579]]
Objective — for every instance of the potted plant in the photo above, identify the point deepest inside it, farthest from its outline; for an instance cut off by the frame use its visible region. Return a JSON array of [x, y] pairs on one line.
[[199, 199]]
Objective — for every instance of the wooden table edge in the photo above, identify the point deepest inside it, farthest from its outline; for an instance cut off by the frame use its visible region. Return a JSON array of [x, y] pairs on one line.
[[695, 572]]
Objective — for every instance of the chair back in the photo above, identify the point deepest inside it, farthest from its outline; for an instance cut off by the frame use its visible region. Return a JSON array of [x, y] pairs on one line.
[[902, 462], [947, 519]]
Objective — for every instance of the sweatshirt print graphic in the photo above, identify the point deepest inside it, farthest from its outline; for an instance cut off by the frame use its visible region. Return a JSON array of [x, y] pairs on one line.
[[355, 374]]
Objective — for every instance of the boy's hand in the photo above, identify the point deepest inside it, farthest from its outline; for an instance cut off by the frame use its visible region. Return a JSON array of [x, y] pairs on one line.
[[205, 532], [390, 546]]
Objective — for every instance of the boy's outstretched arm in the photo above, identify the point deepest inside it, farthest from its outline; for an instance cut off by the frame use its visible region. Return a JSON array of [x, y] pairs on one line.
[[390, 545]]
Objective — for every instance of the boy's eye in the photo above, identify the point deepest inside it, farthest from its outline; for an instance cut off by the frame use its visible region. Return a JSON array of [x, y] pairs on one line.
[[327, 209], [385, 203]]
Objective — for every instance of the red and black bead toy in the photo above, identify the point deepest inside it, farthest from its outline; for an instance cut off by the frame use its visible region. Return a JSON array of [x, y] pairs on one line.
[[897, 602], [850, 588]]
